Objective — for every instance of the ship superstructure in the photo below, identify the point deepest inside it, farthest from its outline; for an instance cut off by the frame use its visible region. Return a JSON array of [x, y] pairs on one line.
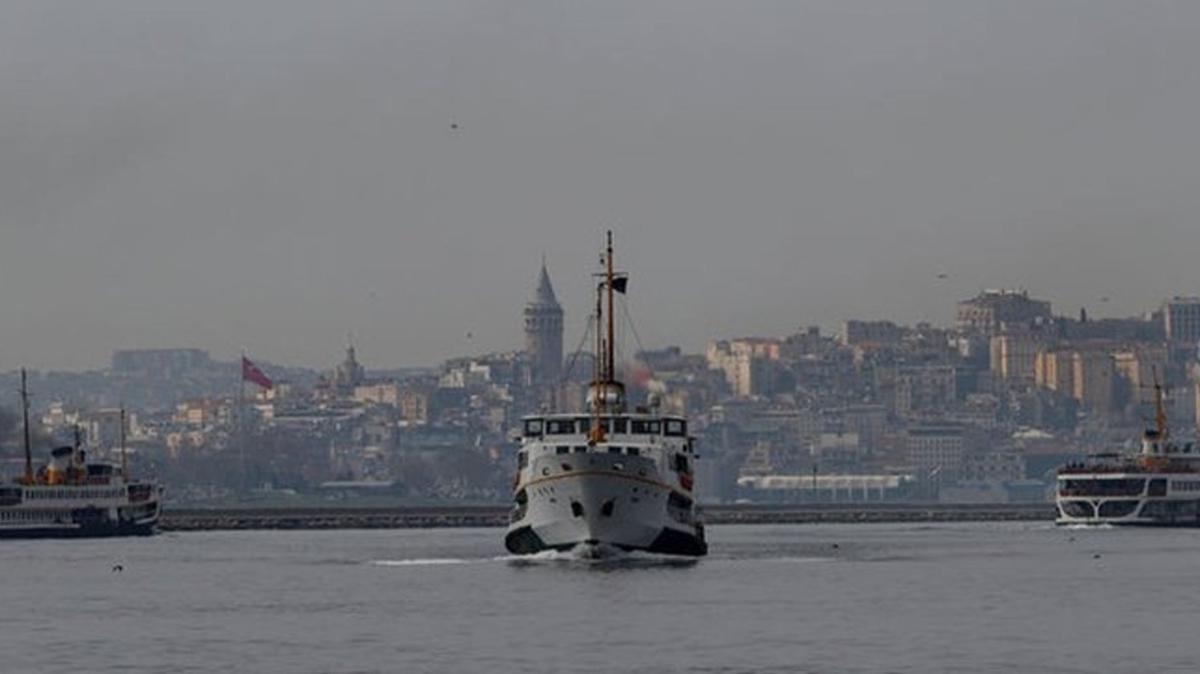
[[73, 497], [606, 476], [1159, 486]]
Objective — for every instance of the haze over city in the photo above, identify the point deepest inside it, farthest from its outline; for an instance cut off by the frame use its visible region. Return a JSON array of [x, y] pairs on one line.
[[568, 336], [271, 176]]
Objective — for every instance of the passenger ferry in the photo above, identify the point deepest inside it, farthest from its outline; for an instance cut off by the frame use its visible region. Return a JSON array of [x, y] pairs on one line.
[[1160, 486], [606, 477], [73, 497]]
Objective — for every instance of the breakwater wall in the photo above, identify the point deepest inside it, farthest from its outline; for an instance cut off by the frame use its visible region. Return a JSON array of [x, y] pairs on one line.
[[202, 519]]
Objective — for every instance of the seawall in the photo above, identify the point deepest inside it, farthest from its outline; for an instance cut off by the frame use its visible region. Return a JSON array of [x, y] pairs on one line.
[[200, 519]]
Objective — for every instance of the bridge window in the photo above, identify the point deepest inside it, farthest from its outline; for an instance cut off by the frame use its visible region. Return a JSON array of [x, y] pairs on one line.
[[646, 426], [676, 427], [562, 449], [620, 425], [632, 451], [560, 426], [533, 428]]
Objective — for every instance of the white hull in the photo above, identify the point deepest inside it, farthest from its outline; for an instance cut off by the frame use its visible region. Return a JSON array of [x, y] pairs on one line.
[[1136, 499], [54, 511], [602, 499]]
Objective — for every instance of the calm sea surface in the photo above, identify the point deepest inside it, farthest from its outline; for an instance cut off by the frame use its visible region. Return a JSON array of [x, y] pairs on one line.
[[857, 598]]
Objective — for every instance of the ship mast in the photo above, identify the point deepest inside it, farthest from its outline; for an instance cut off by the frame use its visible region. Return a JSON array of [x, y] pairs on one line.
[[1160, 414], [608, 285], [25, 427], [607, 394], [124, 454]]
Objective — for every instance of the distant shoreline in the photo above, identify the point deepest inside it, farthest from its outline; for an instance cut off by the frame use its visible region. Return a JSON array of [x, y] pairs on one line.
[[218, 519]]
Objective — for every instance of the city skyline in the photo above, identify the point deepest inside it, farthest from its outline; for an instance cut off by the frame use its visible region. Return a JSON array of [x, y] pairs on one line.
[[1152, 315], [175, 178], [573, 332]]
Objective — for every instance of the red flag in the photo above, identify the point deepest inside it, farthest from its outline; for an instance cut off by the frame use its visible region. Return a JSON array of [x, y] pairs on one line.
[[252, 373]]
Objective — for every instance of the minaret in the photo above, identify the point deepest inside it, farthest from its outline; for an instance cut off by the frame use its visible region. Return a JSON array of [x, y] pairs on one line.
[[544, 332]]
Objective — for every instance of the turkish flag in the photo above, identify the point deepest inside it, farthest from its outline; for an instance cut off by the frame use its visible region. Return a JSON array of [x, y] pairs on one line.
[[252, 373]]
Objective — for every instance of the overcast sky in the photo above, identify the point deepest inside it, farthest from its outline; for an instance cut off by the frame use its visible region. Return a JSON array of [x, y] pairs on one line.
[[274, 175]]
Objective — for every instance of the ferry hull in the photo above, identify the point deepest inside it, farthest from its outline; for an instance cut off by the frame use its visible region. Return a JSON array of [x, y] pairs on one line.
[[602, 507], [1142, 512], [98, 530]]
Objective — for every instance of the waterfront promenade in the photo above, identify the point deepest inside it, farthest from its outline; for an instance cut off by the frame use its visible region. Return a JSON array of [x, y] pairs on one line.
[[199, 519]]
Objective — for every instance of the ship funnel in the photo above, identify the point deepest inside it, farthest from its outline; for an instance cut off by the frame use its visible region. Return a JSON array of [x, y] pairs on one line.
[[608, 396], [61, 459]]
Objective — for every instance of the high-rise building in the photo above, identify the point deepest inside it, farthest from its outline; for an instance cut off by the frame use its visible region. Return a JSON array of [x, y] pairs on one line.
[[1141, 366], [1054, 370], [936, 451], [924, 389], [1094, 374], [544, 332], [748, 364], [870, 332], [1014, 356], [1088, 372], [989, 312], [1181, 320]]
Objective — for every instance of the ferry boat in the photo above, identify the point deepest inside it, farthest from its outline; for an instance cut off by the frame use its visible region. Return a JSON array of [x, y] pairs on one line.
[[607, 476], [1159, 486], [72, 497]]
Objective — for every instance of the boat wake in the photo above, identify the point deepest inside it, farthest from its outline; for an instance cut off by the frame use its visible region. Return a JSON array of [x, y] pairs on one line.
[[1088, 527], [423, 562], [601, 556]]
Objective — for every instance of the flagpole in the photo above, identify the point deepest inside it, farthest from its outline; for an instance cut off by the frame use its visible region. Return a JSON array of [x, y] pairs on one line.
[[241, 426]]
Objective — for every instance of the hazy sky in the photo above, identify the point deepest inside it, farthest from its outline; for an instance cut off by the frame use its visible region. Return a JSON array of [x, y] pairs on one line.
[[274, 175]]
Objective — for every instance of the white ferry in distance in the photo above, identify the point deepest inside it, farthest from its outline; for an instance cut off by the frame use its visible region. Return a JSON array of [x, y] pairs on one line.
[[1160, 486], [606, 477], [72, 497]]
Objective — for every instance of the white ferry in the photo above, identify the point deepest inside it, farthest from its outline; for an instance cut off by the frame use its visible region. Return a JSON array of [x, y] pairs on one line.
[[606, 477], [1160, 486], [72, 497]]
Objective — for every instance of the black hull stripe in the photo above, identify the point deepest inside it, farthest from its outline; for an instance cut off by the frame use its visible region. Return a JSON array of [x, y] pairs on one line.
[[87, 531], [524, 541]]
